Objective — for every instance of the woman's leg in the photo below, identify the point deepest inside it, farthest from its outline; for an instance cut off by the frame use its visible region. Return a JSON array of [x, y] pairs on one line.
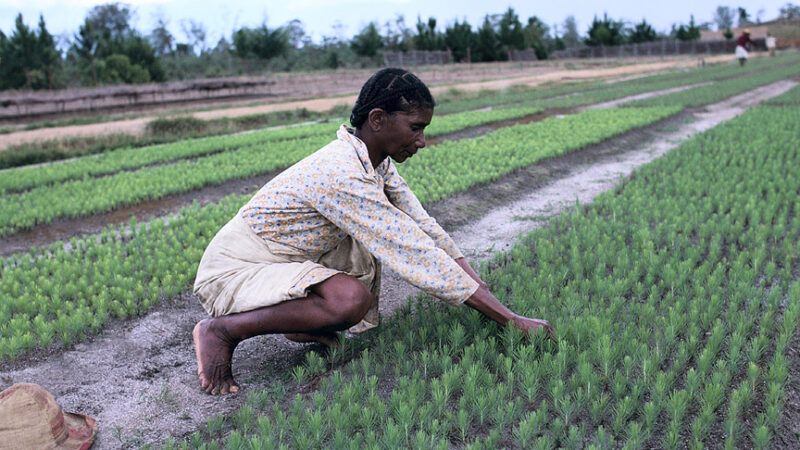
[[335, 304]]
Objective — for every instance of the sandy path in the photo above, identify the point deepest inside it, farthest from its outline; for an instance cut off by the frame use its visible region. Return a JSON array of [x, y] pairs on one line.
[[138, 378], [137, 126]]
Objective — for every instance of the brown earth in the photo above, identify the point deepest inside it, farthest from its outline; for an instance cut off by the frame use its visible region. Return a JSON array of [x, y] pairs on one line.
[[138, 376], [439, 79]]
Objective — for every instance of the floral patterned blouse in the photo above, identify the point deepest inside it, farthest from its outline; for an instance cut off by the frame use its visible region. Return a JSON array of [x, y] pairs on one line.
[[335, 192]]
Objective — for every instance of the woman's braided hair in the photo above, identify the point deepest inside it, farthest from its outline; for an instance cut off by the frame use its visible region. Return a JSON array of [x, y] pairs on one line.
[[391, 90]]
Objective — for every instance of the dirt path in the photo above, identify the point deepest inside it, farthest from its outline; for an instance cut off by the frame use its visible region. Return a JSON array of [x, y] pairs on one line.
[[137, 126], [138, 377]]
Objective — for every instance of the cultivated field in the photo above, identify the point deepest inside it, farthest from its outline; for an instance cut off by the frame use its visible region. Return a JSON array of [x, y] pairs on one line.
[[652, 220]]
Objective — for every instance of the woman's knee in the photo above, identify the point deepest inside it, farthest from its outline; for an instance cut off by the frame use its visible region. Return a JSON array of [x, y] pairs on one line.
[[347, 298]]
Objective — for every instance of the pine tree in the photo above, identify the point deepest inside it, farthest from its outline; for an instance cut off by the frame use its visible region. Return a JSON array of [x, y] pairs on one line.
[[28, 60]]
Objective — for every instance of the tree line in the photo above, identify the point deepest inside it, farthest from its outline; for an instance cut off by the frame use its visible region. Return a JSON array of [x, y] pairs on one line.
[[106, 49]]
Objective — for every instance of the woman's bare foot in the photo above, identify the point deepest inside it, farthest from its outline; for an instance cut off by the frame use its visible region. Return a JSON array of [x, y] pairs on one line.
[[214, 352], [329, 339]]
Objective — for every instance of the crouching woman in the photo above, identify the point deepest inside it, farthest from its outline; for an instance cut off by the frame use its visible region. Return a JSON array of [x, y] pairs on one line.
[[303, 257]]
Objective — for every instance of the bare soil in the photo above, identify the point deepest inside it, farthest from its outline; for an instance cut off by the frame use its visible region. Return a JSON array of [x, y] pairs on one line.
[[138, 378], [345, 85]]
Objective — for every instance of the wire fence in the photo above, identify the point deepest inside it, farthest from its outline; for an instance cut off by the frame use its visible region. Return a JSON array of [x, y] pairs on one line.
[[657, 48]]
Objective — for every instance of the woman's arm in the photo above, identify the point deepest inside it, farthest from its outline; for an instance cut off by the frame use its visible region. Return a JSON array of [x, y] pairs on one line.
[[487, 304], [484, 302], [462, 262]]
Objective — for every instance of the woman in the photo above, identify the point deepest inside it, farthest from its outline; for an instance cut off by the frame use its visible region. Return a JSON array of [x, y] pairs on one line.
[[741, 46], [303, 257]]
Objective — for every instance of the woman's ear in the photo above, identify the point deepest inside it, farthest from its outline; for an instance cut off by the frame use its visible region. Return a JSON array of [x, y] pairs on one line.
[[376, 119]]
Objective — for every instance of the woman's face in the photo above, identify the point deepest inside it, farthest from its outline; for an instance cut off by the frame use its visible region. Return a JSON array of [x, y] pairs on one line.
[[404, 134]]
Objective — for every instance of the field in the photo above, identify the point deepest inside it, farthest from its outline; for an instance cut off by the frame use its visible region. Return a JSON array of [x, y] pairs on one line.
[[653, 220]]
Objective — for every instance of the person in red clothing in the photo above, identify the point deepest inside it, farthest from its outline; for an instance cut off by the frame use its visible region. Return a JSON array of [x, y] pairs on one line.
[[741, 46]]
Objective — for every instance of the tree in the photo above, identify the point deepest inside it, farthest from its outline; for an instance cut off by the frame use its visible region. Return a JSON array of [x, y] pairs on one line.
[[510, 32], [114, 18], [789, 11], [398, 36], [744, 17], [295, 33], [29, 58], [367, 42], [49, 57], [427, 38], [260, 42], [537, 36], [161, 39], [642, 32], [487, 45], [106, 31], [558, 41], [18, 56], [460, 39], [571, 37], [195, 33], [605, 32], [689, 32], [723, 17]]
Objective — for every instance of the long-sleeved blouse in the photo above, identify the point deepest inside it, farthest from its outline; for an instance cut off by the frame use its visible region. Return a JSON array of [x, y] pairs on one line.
[[335, 192]]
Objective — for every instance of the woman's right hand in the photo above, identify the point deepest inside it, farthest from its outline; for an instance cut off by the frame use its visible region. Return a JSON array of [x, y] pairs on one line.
[[528, 325]]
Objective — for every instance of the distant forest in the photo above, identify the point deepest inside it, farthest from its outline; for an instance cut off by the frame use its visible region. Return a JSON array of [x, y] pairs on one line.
[[107, 50]]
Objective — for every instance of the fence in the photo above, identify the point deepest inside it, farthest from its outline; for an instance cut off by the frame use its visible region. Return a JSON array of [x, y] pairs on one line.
[[416, 58], [522, 55], [18, 105], [657, 48]]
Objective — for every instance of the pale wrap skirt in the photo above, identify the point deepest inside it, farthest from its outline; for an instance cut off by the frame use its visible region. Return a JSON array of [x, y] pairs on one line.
[[741, 52], [240, 271]]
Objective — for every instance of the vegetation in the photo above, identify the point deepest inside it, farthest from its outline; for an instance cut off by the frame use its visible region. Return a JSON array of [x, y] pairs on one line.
[[791, 97], [703, 95], [79, 197], [106, 49], [454, 166], [254, 155], [30, 58], [162, 130], [675, 299], [133, 270], [570, 96], [131, 158]]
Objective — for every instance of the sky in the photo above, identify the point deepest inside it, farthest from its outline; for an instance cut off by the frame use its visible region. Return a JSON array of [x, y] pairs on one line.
[[344, 18]]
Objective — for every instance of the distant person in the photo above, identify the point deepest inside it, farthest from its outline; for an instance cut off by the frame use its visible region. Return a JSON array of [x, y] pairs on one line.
[[771, 44], [741, 46], [303, 257]]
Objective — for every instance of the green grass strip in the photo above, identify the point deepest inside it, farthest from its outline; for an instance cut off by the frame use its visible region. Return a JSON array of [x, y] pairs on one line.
[[717, 77], [456, 165], [130, 158], [790, 97], [571, 96], [704, 95]]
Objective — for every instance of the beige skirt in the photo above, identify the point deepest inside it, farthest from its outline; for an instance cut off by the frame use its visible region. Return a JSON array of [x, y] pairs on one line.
[[240, 271]]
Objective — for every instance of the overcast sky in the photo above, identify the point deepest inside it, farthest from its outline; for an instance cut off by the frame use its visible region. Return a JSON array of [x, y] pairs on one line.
[[321, 17]]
